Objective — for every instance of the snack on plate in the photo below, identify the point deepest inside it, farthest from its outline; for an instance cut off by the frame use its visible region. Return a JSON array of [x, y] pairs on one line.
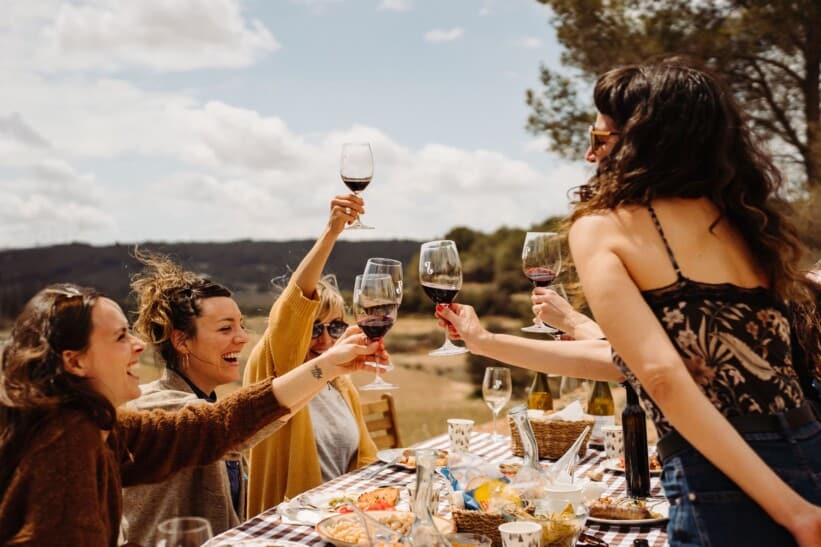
[[621, 509], [350, 529], [509, 470], [381, 499], [653, 461], [409, 457], [558, 529]]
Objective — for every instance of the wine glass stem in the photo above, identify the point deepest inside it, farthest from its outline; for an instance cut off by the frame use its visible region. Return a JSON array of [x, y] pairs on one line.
[[495, 416]]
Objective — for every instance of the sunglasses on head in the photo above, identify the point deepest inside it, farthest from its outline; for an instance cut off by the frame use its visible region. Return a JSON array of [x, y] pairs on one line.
[[598, 137], [336, 328]]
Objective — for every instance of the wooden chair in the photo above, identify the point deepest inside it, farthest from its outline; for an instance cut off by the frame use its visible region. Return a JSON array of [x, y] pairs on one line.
[[380, 418]]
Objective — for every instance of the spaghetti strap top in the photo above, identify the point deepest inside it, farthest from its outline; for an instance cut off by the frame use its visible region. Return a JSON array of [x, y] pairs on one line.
[[734, 341]]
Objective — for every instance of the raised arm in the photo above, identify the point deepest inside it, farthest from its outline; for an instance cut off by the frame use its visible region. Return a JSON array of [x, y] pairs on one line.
[[636, 334], [580, 358]]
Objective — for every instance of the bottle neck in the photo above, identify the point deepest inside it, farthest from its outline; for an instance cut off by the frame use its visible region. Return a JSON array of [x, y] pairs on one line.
[[632, 396]]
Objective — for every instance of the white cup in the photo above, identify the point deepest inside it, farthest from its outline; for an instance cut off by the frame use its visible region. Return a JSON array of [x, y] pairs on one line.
[[459, 432], [521, 533], [613, 441]]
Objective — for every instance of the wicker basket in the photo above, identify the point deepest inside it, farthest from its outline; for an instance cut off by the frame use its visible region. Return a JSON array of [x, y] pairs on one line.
[[479, 522], [553, 437]]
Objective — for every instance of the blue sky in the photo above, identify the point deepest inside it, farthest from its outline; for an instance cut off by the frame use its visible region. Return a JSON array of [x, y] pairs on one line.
[[222, 119]]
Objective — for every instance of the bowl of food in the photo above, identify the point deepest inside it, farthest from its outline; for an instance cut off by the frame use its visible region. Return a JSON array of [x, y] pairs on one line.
[[560, 528]]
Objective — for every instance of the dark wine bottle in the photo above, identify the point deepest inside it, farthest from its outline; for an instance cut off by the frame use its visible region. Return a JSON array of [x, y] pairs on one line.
[[603, 409], [636, 461], [539, 397]]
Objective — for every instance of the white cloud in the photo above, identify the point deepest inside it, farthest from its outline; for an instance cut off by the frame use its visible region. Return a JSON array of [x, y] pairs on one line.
[[436, 36], [529, 42], [168, 36], [396, 5]]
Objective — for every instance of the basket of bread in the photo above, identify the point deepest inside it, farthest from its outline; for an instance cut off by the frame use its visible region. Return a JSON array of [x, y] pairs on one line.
[[555, 432]]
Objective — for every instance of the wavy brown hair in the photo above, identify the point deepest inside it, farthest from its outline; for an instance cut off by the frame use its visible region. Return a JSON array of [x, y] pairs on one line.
[[168, 298], [682, 135], [34, 384]]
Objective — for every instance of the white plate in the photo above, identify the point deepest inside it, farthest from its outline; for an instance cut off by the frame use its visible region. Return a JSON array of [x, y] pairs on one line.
[[261, 543], [662, 508], [445, 526], [613, 465], [392, 455]]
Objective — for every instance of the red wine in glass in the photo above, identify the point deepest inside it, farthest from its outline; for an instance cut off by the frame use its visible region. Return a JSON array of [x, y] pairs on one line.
[[375, 327], [540, 277], [440, 295], [356, 184]]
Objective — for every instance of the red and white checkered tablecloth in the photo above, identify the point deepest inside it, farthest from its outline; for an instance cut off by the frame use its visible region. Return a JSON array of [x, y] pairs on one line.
[[269, 525]]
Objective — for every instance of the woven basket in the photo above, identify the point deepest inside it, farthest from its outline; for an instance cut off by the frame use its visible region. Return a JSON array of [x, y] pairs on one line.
[[479, 522], [553, 437]]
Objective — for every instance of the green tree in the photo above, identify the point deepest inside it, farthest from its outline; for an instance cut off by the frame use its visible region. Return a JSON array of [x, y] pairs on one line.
[[769, 51]]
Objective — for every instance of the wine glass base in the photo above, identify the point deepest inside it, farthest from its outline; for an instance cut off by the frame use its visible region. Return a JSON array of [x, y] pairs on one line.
[[540, 329], [455, 350], [378, 386], [381, 366]]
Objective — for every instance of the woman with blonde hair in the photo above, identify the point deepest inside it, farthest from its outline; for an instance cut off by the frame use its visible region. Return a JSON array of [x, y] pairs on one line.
[[329, 437]]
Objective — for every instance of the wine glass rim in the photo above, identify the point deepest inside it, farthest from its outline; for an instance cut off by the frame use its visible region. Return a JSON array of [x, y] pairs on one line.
[[439, 243], [542, 233], [384, 261], [356, 143], [192, 524]]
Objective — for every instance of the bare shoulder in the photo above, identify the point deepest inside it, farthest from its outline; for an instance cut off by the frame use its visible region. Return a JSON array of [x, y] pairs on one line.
[[601, 228]]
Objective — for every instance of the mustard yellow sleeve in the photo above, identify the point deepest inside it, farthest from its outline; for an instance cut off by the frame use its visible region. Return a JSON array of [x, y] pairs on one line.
[[286, 339]]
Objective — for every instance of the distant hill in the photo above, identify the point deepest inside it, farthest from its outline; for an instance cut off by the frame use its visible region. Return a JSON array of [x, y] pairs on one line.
[[245, 267]]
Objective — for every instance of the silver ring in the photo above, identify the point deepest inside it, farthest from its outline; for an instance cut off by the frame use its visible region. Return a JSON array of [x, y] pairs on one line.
[[347, 210]]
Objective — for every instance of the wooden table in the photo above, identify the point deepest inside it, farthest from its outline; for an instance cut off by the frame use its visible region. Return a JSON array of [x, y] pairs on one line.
[[269, 525]]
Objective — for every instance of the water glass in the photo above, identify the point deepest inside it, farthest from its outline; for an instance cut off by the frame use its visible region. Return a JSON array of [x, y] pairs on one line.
[[183, 532]]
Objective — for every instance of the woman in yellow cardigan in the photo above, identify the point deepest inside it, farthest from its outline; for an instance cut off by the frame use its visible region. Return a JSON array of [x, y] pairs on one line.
[[328, 437]]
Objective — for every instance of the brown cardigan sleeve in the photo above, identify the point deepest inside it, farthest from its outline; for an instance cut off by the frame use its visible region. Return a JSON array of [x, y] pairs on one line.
[[158, 443]]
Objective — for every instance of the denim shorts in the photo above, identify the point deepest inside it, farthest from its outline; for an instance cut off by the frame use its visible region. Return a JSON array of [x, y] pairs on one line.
[[707, 509]]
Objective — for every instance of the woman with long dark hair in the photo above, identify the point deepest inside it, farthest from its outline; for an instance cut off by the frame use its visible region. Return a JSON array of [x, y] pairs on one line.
[[66, 446], [682, 236]]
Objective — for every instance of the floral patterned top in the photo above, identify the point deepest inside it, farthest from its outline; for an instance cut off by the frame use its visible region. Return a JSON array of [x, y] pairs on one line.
[[735, 342]]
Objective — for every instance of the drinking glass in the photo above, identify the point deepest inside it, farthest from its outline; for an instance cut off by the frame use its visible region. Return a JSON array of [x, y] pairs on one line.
[[356, 170], [440, 273], [375, 309], [541, 262], [496, 388], [390, 267], [183, 532]]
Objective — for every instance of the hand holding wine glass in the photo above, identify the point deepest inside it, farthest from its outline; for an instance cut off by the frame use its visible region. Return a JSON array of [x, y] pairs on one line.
[[541, 262], [496, 390], [375, 308], [440, 273], [356, 170]]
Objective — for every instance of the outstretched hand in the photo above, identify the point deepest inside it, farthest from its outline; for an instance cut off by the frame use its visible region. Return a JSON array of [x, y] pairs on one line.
[[352, 349], [344, 210], [462, 323]]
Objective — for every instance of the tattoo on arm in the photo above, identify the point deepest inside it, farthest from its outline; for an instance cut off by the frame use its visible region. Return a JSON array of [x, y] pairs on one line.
[[316, 372]]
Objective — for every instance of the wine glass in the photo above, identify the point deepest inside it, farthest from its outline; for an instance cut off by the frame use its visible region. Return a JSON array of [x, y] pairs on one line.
[[574, 389], [440, 273], [390, 267], [375, 309], [541, 262], [183, 532], [496, 388], [356, 170]]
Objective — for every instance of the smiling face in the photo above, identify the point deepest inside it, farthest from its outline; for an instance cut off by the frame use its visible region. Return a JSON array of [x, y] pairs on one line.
[[213, 352], [112, 353], [605, 145]]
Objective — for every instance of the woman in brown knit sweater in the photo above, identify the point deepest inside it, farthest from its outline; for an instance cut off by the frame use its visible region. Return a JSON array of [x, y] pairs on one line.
[[66, 449]]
